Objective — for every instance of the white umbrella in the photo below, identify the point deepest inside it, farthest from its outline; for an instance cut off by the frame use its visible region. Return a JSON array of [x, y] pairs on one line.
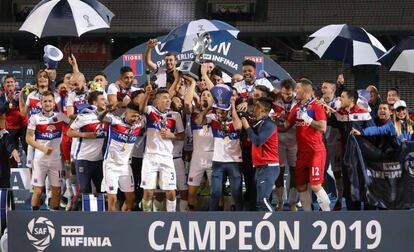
[[67, 18], [346, 43]]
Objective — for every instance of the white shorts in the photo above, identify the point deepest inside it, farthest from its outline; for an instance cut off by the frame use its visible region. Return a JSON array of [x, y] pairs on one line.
[[288, 149], [29, 156], [52, 168], [200, 162], [116, 176], [181, 174], [154, 166]]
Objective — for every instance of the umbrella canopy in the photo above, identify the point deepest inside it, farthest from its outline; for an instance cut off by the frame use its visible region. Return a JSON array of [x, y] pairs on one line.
[[346, 43], [184, 37], [66, 18], [400, 57]]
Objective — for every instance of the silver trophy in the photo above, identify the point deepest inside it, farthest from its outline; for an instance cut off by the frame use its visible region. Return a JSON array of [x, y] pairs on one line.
[[192, 68]]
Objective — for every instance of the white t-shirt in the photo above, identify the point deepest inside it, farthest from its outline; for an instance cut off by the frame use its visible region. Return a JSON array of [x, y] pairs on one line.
[[121, 139], [226, 140], [246, 90], [156, 120], [88, 148], [203, 139], [48, 132]]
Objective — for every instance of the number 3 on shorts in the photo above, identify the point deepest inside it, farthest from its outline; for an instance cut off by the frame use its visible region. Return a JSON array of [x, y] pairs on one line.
[[172, 175], [315, 171]]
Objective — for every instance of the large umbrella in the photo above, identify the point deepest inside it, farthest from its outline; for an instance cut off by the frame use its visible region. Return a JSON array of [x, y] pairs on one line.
[[184, 37], [346, 43], [66, 18], [400, 57]]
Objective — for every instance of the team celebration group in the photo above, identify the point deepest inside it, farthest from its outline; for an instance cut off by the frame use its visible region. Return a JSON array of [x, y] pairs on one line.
[[143, 144]]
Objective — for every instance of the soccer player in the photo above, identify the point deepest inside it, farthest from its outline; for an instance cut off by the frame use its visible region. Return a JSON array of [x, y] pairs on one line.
[[265, 154], [246, 86], [163, 126], [165, 77], [117, 173], [227, 155], [119, 93], [203, 143], [288, 148], [91, 134], [44, 135], [32, 105], [309, 119]]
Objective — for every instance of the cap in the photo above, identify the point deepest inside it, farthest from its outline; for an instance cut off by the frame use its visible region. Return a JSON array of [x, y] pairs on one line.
[[400, 103]]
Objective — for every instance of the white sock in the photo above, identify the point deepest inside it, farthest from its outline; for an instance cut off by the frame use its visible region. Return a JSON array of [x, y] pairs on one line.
[[293, 196], [323, 200], [306, 201], [158, 206], [171, 205], [183, 205], [146, 205], [279, 195], [339, 187]]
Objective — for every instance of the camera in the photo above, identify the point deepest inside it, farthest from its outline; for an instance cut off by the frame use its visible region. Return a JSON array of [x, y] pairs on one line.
[[244, 114]]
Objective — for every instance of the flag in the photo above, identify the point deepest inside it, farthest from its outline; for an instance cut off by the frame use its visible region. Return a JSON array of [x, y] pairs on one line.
[[382, 179], [134, 61]]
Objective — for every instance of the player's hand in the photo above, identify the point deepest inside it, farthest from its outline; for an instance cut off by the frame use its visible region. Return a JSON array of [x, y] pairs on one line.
[[166, 134], [47, 150], [72, 60], [152, 43], [148, 89], [242, 106], [355, 132], [245, 123], [89, 135], [15, 155], [110, 107], [303, 115], [189, 79], [204, 69]]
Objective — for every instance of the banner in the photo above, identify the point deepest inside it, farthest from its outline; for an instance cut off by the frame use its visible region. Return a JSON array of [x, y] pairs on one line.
[[227, 55], [211, 231], [385, 181]]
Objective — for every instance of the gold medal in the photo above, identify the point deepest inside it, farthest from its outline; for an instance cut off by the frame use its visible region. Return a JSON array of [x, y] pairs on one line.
[[125, 147], [227, 139], [205, 127]]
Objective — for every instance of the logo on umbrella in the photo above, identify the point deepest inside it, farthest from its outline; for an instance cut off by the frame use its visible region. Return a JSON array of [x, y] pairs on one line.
[[86, 17], [320, 43], [200, 28]]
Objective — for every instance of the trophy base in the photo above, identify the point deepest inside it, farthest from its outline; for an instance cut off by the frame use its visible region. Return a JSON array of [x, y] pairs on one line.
[[191, 68]]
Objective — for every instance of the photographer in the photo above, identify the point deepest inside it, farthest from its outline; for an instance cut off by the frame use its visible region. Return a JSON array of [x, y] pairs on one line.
[[265, 155]]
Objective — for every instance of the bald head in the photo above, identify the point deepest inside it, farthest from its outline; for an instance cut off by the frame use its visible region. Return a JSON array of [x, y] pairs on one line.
[[78, 82]]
